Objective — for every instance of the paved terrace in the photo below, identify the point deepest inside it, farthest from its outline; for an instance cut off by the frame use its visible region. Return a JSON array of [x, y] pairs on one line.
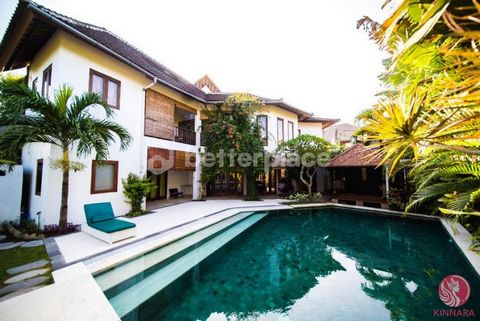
[[175, 219]]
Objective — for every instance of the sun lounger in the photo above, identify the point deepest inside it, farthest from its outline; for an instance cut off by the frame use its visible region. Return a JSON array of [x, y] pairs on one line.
[[102, 224]]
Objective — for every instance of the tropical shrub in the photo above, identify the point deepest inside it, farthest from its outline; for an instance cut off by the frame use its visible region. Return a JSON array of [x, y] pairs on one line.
[[55, 229], [135, 189], [301, 198], [430, 112]]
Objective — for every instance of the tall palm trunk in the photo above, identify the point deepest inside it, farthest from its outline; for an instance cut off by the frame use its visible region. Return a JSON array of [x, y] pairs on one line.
[[65, 181]]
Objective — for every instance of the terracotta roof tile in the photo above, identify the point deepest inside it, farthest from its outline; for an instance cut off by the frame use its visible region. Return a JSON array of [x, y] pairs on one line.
[[358, 155]]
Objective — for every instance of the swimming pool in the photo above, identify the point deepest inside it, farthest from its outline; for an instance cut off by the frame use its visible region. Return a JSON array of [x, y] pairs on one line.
[[310, 264]]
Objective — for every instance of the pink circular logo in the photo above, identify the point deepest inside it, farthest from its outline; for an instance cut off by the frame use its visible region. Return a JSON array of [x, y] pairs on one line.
[[454, 290]]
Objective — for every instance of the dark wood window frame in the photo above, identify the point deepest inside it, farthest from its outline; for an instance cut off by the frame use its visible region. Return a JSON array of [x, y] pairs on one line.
[[106, 79], [292, 133], [39, 177], [47, 71], [280, 139], [94, 173], [35, 84], [264, 139]]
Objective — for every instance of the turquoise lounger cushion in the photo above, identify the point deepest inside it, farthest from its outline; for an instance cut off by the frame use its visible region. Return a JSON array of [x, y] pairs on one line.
[[104, 210], [112, 225], [100, 218]]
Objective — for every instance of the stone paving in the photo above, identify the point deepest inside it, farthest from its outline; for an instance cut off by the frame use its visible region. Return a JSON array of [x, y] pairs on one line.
[[10, 245], [27, 267], [32, 243], [26, 277]]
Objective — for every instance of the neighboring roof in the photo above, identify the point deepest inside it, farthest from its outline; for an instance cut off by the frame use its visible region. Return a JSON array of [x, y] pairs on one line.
[[206, 81], [339, 132], [220, 97], [358, 155], [326, 122], [37, 24]]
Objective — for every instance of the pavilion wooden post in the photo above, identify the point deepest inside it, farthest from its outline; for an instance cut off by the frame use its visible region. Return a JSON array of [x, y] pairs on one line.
[[387, 183]]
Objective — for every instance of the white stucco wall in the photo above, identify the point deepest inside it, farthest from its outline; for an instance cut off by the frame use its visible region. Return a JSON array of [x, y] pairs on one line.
[[71, 61], [178, 178], [10, 193], [273, 113], [311, 128]]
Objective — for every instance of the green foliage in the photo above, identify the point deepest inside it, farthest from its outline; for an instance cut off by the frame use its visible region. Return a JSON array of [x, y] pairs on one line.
[[65, 121], [307, 152], [301, 198], [232, 127], [28, 226], [430, 112], [135, 189]]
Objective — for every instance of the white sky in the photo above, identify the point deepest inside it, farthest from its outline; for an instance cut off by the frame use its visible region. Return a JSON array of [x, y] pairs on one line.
[[307, 52]]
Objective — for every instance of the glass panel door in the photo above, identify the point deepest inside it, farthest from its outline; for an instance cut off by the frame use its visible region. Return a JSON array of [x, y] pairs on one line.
[[160, 186]]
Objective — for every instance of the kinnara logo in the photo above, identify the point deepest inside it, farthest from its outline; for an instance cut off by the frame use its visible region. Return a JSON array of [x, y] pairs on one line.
[[454, 291]]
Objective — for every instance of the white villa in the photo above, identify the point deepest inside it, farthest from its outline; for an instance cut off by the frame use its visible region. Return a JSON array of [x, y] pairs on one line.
[[160, 109]]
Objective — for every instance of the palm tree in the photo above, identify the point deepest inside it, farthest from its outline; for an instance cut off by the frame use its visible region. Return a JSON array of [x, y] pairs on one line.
[[66, 122]]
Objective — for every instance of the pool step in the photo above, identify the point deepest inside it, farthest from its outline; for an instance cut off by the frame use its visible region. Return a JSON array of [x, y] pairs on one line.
[[132, 297], [135, 266]]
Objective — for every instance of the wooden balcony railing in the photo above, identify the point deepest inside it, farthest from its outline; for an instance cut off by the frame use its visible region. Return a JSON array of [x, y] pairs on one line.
[[183, 135]]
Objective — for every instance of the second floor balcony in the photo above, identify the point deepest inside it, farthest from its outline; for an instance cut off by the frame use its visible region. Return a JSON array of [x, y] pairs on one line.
[[183, 135], [171, 123]]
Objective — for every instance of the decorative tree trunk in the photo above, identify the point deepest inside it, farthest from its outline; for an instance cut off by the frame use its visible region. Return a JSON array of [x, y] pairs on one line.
[[308, 182], [65, 181]]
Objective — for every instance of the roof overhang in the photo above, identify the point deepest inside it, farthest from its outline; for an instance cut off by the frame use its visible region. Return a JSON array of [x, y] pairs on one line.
[[12, 50], [326, 122], [23, 29]]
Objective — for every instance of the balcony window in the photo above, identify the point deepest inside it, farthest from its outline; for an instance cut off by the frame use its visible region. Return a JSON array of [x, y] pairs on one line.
[[47, 82], [35, 85], [263, 124], [290, 130], [280, 133], [107, 87], [184, 126]]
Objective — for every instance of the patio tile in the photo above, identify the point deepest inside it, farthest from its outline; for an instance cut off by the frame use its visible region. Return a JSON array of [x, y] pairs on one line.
[[79, 246], [20, 292]]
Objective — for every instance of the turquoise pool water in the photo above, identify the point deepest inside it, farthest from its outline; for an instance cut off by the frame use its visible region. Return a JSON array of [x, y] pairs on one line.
[[313, 264]]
